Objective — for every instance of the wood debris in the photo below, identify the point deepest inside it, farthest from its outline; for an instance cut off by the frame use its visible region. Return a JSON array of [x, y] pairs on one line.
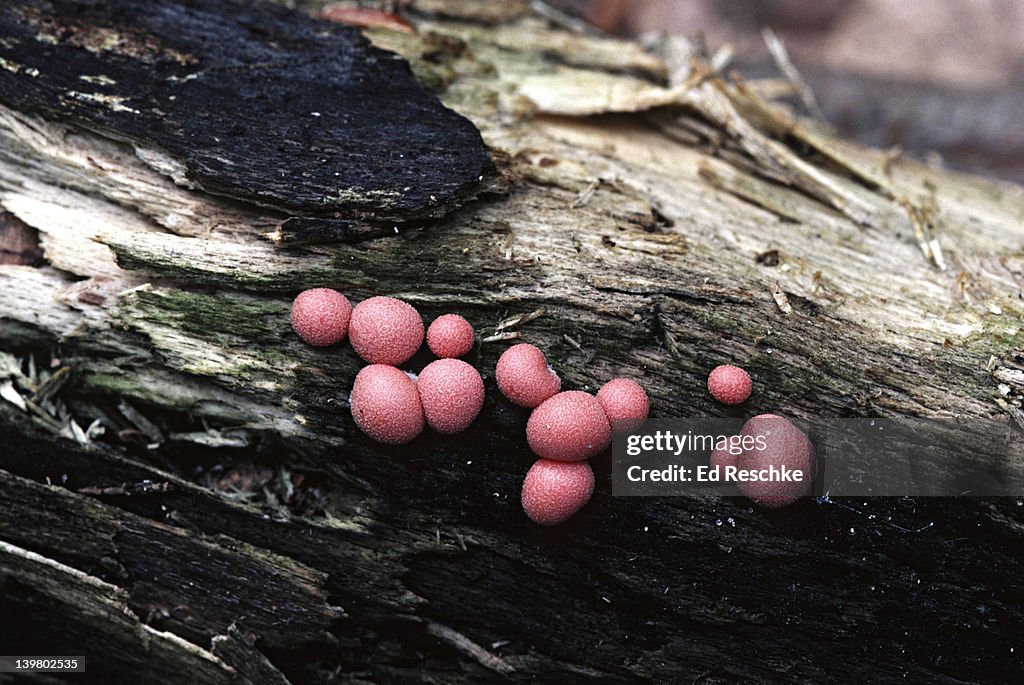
[[470, 648], [781, 299]]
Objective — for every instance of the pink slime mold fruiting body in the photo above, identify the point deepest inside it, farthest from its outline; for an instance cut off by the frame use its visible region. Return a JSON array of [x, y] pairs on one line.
[[730, 384], [785, 445], [386, 404], [571, 426], [320, 316], [452, 393], [450, 336], [384, 330], [555, 490], [523, 376], [625, 404]]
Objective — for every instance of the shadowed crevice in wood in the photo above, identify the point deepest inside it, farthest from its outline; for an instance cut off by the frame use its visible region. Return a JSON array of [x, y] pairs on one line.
[[19, 242]]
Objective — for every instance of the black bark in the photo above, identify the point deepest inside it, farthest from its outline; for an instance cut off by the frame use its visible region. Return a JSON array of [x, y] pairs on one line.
[[256, 102], [633, 590]]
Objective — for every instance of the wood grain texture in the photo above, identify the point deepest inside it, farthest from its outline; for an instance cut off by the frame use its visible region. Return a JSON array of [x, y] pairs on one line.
[[627, 243]]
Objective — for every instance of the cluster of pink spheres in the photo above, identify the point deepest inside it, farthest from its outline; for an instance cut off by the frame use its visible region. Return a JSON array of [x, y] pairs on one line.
[[565, 429], [387, 404], [786, 445], [393, 407]]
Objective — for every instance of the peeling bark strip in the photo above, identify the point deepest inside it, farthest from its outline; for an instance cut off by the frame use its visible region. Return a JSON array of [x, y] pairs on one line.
[[250, 100]]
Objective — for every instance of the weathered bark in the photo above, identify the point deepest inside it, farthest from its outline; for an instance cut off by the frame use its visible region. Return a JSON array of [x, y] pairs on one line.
[[229, 98], [658, 220]]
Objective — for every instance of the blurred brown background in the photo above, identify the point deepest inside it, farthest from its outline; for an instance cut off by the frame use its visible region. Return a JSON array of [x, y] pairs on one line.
[[942, 75]]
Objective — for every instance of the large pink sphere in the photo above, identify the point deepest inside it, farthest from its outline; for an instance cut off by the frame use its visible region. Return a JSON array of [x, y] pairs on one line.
[[571, 426], [386, 404], [452, 393], [555, 490], [721, 458], [784, 445], [384, 330], [321, 316], [523, 376]]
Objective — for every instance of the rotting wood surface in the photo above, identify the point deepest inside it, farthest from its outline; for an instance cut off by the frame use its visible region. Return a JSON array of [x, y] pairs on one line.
[[229, 477]]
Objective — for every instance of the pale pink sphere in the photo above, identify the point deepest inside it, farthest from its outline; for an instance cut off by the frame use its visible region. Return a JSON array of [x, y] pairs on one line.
[[555, 490], [625, 404], [384, 330], [452, 393], [386, 404], [320, 316], [571, 426], [730, 384], [785, 445], [523, 376], [450, 336]]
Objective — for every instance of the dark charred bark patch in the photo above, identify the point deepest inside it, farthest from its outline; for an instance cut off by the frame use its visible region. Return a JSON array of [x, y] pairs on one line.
[[256, 102]]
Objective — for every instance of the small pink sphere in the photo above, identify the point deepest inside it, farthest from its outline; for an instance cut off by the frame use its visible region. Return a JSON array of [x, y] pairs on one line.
[[450, 336], [452, 393], [571, 426], [523, 376], [555, 490], [730, 384], [784, 445], [625, 404], [385, 330], [386, 404], [321, 316]]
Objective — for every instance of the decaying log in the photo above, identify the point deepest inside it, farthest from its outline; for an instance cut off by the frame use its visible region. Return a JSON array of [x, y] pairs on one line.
[[182, 483]]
